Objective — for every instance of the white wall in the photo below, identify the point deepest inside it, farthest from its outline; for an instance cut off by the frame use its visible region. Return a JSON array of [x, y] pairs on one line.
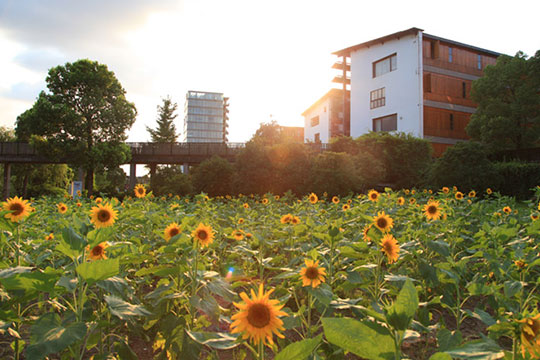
[[403, 86], [324, 122]]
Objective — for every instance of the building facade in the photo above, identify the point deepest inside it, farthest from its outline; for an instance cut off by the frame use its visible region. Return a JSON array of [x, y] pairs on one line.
[[412, 82], [326, 119], [205, 117]]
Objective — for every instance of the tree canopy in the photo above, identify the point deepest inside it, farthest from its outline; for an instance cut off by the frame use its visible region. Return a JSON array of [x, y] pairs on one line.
[[508, 98], [83, 118], [165, 132]]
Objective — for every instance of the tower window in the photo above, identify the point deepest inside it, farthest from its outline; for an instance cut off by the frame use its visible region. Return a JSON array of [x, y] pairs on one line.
[[479, 62], [464, 90], [377, 98], [450, 54], [385, 123], [451, 121]]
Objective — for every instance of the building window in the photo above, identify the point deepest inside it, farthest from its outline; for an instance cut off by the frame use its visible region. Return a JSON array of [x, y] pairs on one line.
[[451, 121], [377, 98], [315, 121], [427, 83], [385, 65], [464, 90], [479, 62], [385, 123], [317, 137], [325, 109], [450, 54], [434, 49]]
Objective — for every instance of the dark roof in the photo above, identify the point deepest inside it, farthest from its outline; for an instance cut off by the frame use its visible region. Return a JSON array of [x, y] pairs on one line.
[[331, 93], [411, 31], [456, 43], [349, 50]]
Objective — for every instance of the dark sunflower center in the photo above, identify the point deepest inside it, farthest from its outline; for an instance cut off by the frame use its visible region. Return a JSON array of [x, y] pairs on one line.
[[173, 232], [103, 215], [373, 196], [312, 273], [312, 199], [382, 223], [97, 250], [258, 315], [432, 209], [202, 234], [16, 208], [388, 248]]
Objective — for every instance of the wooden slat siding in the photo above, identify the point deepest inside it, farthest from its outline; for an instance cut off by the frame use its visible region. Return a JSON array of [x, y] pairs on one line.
[[439, 149], [437, 123], [447, 89], [463, 60]]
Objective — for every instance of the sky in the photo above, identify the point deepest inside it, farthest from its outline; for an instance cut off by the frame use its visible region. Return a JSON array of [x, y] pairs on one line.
[[271, 58]]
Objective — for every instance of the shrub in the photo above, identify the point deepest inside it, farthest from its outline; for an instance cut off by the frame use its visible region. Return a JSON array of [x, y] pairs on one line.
[[291, 166], [334, 173], [214, 176], [170, 179], [254, 173], [466, 166], [517, 178]]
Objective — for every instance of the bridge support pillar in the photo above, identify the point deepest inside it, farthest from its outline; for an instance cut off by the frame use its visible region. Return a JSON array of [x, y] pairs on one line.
[[132, 175], [185, 168], [7, 176]]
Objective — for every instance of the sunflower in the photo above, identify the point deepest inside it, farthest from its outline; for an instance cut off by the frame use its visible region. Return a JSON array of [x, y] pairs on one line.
[[472, 193], [171, 231], [97, 252], [276, 197], [312, 274], [140, 190], [335, 200], [98, 200], [19, 208], [383, 222], [285, 219], [62, 208], [78, 204], [258, 317], [295, 220], [313, 198], [489, 191], [431, 210], [534, 216], [49, 237], [346, 207], [530, 336], [174, 206], [412, 201], [507, 209], [407, 191], [103, 215], [241, 221], [246, 206], [459, 195], [238, 235], [203, 234], [401, 200], [390, 248], [365, 232], [445, 189], [265, 201], [373, 195]]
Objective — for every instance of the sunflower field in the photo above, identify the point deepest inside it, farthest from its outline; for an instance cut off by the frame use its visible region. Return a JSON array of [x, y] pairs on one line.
[[415, 274]]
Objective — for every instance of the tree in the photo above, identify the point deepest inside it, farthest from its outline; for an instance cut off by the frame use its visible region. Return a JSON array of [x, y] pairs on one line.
[[333, 173], [268, 134], [165, 132], [508, 98], [171, 180], [214, 176], [83, 118]]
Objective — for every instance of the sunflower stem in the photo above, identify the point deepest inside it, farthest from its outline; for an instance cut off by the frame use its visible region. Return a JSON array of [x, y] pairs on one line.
[[261, 350], [194, 283], [309, 316]]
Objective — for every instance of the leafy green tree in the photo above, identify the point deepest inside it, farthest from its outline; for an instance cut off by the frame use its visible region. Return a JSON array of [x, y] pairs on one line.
[[254, 171], [165, 132], [508, 98], [290, 167], [333, 173], [171, 180], [344, 144], [83, 118], [268, 134], [214, 176]]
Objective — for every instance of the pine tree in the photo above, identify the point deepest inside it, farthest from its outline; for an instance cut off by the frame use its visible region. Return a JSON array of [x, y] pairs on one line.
[[165, 132]]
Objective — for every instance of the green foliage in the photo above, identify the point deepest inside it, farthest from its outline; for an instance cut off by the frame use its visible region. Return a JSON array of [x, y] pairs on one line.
[[254, 173], [111, 182], [290, 168], [334, 173], [508, 113], [83, 118], [165, 132], [214, 176], [268, 134], [41, 179], [466, 166], [344, 144], [405, 158], [517, 178], [170, 179], [299, 350]]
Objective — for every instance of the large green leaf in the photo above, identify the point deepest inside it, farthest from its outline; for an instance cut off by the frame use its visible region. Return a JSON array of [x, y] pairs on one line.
[[299, 350], [400, 314], [221, 341], [71, 244], [484, 349], [50, 336], [447, 339], [366, 339], [123, 309], [94, 271], [32, 281]]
